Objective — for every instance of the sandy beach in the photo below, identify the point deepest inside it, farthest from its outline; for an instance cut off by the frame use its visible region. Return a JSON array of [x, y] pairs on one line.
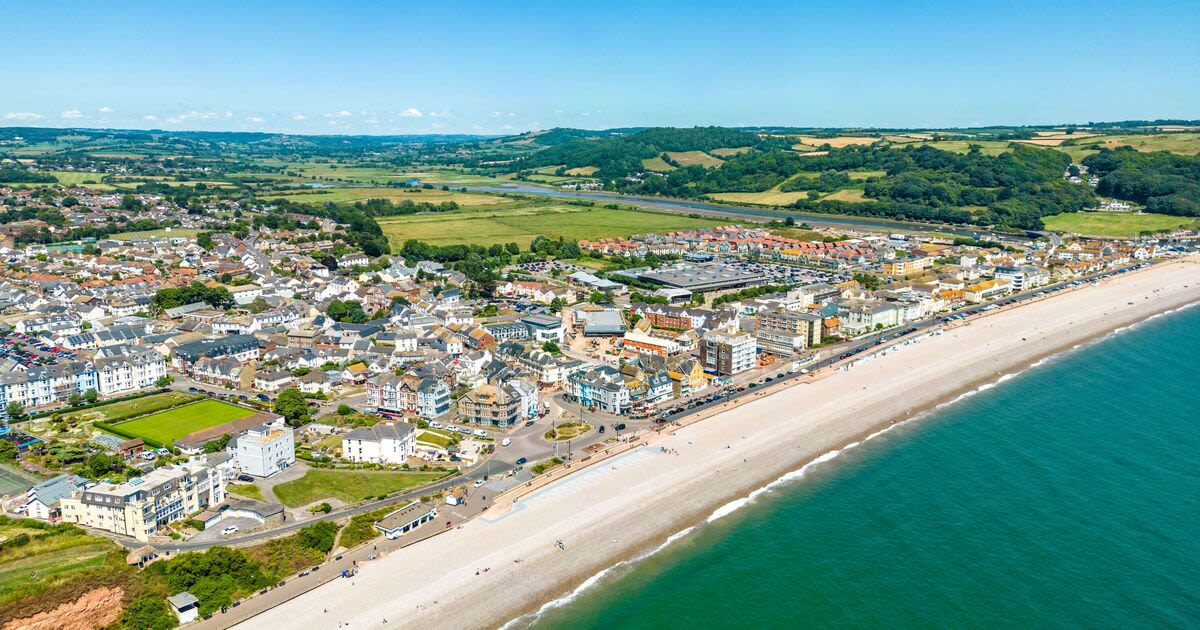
[[632, 503]]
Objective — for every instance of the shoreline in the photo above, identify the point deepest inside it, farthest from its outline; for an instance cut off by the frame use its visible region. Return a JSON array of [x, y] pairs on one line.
[[664, 498]]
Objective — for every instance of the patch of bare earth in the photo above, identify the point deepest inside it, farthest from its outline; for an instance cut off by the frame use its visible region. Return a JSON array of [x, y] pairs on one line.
[[95, 609]]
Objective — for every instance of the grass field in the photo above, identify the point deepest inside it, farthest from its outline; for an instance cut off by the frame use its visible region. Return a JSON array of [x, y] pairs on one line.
[[656, 163], [47, 558], [349, 486], [118, 411], [172, 424], [582, 171], [987, 147], [165, 233], [521, 224], [248, 490], [436, 438], [1187, 143], [837, 143], [416, 195], [1116, 224], [695, 158], [73, 178], [726, 152], [853, 195]]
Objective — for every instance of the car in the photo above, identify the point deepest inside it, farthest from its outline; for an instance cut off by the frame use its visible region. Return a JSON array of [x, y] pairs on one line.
[[522, 460], [316, 568], [478, 482], [506, 442], [480, 433], [262, 397], [601, 429], [620, 426], [245, 478], [435, 425], [228, 531], [303, 573], [529, 423]]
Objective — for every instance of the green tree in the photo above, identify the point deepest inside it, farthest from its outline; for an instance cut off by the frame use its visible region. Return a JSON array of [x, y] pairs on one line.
[[15, 410], [164, 380], [293, 407], [91, 396], [8, 451]]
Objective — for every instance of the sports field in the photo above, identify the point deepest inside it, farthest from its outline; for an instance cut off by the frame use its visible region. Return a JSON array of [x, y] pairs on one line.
[[1116, 224], [165, 233], [349, 486], [521, 224], [172, 424], [121, 410]]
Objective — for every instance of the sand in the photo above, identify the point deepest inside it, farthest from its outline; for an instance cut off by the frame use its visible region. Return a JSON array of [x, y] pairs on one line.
[[631, 503]]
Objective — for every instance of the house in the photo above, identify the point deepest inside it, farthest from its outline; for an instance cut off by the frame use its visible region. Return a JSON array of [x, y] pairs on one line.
[[315, 382], [384, 443], [394, 395], [602, 387], [185, 605], [42, 500], [986, 290], [224, 371], [122, 369], [240, 347], [131, 448], [499, 405], [405, 519], [353, 259], [273, 380], [356, 374], [725, 354], [264, 449]]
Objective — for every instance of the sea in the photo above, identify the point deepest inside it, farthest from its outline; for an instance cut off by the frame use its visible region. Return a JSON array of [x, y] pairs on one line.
[[1067, 495]]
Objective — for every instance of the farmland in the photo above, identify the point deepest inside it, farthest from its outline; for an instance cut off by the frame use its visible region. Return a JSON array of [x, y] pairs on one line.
[[1116, 224], [521, 224], [1181, 143], [695, 158], [416, 195], [349, 486], [172, 424], [164, 233]]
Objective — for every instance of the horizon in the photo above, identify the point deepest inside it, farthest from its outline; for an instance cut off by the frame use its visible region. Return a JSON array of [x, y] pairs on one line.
[[318, 69]]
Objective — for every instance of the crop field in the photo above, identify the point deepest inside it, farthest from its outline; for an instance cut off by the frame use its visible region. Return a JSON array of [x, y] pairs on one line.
[[172, 424], [987, 147], [1181, 143], [853, 195], [349, 486], [521, 224], [582, 171], [416, 195], [1116, 224], [765, 198], [726, 152], [695, 158], [837, 142]]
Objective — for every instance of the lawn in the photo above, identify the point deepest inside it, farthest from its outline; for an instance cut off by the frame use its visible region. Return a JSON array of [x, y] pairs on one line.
[[1116, 224], [172, 424], [248, 490], [49, 555], [522, 223], [349, 486], [118, 411], [417, 195], [656, 163], [74, 178]]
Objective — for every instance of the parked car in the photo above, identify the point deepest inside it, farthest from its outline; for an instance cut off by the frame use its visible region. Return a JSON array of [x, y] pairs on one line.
[[506, 442], [229, 531], [521, 461]]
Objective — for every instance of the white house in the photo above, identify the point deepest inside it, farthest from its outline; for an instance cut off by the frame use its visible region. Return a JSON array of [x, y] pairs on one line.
[[386, 443], [264, 450]]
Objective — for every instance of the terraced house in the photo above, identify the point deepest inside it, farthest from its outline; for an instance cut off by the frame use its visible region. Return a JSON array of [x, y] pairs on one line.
[[395, 395], [41, 386], [499, 405], [121, 369]]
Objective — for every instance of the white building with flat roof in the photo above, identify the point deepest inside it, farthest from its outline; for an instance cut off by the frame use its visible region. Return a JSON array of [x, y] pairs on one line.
[[265, 449]]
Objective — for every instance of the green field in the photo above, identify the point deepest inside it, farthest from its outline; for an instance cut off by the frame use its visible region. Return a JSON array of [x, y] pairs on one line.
[[521, 224], [165, 233], [416, 195], [987, 147], [248, 490], [118, 411], [172, 424], [695, 158], [50, 555], [1183, 143], [349, 486], [1116, 224]]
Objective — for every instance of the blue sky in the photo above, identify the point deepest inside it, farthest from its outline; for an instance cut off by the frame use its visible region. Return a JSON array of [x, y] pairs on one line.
[[475, 66]]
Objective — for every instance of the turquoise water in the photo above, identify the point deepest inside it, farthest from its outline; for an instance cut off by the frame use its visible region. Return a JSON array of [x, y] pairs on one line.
[[1068, 496]]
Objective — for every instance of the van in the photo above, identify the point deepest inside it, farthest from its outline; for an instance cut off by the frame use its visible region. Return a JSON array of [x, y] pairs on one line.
[[506, 442]]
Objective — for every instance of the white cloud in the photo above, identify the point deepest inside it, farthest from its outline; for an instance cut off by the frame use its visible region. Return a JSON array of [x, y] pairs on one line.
[[192, 115], [507, 127], [298, 116], [411, 112], [511, 115], [105, 110], [254, 119], [229, 114], [341, 114], [22, 116], [441, 115], [495, 114], [72, 114], [150, 117]]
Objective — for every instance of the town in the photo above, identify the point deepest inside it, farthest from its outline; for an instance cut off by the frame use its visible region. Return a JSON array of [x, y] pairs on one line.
[[238, 372]]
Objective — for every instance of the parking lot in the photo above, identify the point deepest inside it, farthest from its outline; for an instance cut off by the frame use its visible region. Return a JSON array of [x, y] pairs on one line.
[[29, 351]]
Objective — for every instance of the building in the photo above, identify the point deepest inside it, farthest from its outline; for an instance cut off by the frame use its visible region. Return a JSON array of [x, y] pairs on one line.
[[499, 405], [43, 385], [646, 343], [1023, 277], [224, 371], [384, 443], [698, 277], [264, 450], [602, 387], [42, 500], [132, 368], [143, 506], [805, 324], [602, 322], [240, 347], [905, 266], [395, 395], [726, 354], [185, 606], [986, 290], [406, 519], [543, 328]]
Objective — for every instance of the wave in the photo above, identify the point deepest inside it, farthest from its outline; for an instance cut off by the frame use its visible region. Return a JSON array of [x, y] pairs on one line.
[[737, 504]]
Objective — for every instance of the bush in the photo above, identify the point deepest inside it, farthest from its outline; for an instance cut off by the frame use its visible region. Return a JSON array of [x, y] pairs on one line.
[[318, 536]]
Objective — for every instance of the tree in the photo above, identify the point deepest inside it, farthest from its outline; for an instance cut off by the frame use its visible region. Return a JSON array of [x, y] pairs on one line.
[[15, 410], [205, 241], [164, 380], [345, 410], [8, 451], [557, 304], [75, 399], [91, 396], [293, 407], [551, 347], [259, 305], [868, 281]]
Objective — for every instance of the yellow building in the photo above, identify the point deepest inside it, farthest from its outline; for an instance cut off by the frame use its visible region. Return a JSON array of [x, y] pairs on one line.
[[905, 266], [141, 506]]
